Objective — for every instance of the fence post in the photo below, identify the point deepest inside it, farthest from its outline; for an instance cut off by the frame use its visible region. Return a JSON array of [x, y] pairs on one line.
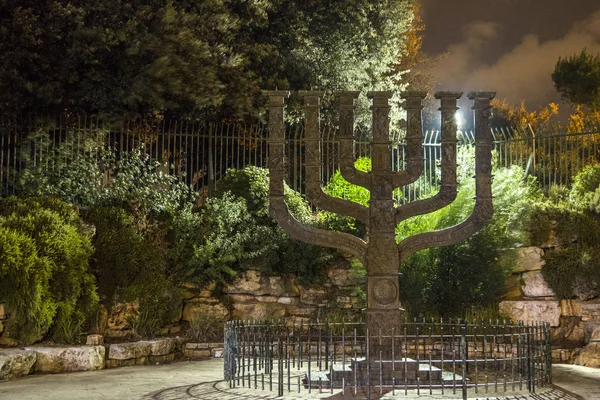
[[211, 170], [464, 355]]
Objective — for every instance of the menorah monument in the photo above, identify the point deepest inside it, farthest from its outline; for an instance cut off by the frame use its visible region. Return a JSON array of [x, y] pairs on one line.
[[378, 250]]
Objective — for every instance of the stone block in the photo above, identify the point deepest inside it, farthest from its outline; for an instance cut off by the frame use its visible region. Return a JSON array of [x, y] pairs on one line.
[[141, 360], [161, 347], [585, 289], [199, 353], [344, 277], [15, 363], [570, 308], [68, 359], [119, 363], [301, 311], [589, 356], [118, 318], [525, 259], [590, 311], [288, 300], [192, 310], [532, 310], [252, 282], [535, 285], [94, 340], [128, 351], [563, 356], [161, 359], [217, 352], [312, 296], [258, 311]]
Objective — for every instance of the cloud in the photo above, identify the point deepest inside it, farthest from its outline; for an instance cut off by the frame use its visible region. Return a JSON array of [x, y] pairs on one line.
[[524, 72]]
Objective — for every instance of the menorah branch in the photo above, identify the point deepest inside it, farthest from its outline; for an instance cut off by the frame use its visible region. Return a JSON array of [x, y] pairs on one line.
[[314, 190], [447, 192]]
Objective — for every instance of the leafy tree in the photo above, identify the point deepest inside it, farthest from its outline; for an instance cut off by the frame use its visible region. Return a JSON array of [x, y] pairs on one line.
[[506, 114], [577, 78], [142, 57]]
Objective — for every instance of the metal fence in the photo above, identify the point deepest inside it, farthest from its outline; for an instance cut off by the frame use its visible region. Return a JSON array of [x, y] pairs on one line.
[[200, 154], [441, 357]]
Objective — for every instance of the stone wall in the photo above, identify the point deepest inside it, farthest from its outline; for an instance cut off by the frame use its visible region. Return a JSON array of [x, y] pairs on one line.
[[255, 296], [575, 323], [16, 363]]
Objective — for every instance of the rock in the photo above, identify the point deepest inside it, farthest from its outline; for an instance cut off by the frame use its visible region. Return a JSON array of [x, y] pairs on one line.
[[525, 259], [288, 300], [1, 327], [313, 296], [589, 356], [590, 311], [300, 311], [535, 285], [3, 311], [217, 352], [161, 347], [192, 310], [563, 356], [94, 340], [258, 311], [252, 282], [570, 308], [246, 282], [585, 289], [15, 363], [266, 299], [532, 311], [343, 277], [126, 351], [513, 287], [120, 313], [68, 359]]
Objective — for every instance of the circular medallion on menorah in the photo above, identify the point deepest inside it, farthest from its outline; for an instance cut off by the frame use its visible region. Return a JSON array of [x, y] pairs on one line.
[[384, 291]]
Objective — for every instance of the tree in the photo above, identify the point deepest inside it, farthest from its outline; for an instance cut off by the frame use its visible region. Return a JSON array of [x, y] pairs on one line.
[[577, 78], [506, 114], [194, 57]]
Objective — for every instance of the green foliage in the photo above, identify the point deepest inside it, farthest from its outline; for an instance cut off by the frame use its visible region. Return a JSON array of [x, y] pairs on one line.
[[577, 78], [572, 219], [449, 281], [206, 327], [192, 56], [51, 288], [130, 264], [234, 231], [341, 188], [83, 172]]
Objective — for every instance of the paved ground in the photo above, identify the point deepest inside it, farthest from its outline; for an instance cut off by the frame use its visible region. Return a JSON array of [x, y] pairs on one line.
[[202, 380]]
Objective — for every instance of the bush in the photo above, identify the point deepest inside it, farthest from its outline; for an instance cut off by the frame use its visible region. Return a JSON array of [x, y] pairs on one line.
[[575, 222], [130, 264], [82, 171], [63, 292], [234, 231], [449, 281]]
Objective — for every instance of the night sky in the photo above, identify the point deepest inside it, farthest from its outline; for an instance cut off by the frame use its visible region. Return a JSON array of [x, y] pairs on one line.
[[507, 46]]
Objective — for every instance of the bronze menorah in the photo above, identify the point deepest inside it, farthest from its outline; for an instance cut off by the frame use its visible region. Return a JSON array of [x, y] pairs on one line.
[[378, 251]]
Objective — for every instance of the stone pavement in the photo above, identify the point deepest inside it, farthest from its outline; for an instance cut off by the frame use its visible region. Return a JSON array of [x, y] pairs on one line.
[[202, 380]]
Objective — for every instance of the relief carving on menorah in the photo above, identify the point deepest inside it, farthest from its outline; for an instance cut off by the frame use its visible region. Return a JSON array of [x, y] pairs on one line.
[[378, 250]]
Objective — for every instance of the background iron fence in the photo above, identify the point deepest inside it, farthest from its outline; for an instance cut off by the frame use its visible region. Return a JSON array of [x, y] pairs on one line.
[[445, 357], [200, 153]]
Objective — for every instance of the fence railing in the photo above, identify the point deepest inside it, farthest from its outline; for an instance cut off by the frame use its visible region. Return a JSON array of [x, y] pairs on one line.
[[200, 154], [470, 359]]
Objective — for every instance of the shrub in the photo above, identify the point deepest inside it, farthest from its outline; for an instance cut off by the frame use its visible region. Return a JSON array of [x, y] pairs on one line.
[[64, 287], [130, 263], [575, 222], [86, 173], [206, 327], [234, 231], [448, 281]]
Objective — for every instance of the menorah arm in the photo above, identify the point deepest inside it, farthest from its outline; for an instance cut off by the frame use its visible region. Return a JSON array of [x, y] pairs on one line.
[[317, 197], [319, 237], [346, 139], [482, 213], [447, 192]]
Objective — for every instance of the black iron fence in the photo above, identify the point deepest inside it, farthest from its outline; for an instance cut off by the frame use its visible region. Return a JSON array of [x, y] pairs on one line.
[[200, 154], [435, 357]]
